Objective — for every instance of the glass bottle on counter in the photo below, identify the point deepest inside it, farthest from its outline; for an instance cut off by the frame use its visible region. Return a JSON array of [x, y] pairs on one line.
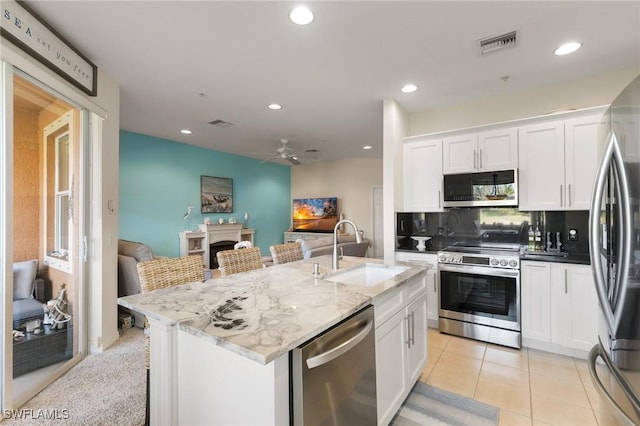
[[532, 243], [538, 238]]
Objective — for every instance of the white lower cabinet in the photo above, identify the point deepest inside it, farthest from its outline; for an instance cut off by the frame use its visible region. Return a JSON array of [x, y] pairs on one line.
[[401, 344], [559, 308], [429, 261]]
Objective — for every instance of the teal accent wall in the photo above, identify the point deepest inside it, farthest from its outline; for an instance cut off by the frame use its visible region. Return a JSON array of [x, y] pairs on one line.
[[159, 178]]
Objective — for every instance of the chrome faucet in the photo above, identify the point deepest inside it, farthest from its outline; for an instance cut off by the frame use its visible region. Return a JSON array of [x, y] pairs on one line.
[[335, 262]]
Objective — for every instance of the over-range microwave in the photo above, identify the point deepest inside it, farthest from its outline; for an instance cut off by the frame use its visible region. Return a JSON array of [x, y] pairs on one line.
[[481, 189]]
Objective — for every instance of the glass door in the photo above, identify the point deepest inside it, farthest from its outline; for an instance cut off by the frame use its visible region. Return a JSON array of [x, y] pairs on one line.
[[44, 238]]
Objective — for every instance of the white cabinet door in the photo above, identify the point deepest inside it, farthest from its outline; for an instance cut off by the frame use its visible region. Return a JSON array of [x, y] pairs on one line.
[[535, 283], [581, 160], [541, 166], [391, 379], [417, 337], [498, 149], [422, 176], [459, 154], [575, 307]]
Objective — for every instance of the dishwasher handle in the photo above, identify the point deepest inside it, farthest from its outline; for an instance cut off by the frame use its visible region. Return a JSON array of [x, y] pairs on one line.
[[342, 348]]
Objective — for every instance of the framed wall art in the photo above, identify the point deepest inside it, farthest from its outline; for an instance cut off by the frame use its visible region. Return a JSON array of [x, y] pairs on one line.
[[216, 194]]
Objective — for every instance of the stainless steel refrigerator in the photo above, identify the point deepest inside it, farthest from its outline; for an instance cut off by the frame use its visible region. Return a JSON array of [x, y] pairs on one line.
[[614, 243]]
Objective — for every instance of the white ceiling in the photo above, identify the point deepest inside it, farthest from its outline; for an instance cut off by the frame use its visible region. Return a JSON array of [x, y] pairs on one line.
[[330, 76]]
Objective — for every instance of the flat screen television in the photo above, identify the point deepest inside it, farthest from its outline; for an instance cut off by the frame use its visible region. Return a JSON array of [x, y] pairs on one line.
[[315, 214]]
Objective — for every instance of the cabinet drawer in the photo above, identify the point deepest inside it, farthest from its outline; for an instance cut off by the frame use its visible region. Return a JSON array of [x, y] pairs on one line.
[[416, 287], [387, 305]]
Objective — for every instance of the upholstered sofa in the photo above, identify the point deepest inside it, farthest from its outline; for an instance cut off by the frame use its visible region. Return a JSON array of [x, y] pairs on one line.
[[26, 306], [129, 254], [324, 245]]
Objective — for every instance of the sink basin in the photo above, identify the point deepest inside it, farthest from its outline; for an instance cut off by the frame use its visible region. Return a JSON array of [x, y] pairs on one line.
[[366, 275]]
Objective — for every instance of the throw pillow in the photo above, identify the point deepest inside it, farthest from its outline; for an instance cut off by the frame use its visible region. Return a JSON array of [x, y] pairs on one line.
[[319, 242], [24, 275]]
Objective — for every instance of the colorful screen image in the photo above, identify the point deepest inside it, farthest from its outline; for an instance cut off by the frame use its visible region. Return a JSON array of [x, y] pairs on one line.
[[315, 214]]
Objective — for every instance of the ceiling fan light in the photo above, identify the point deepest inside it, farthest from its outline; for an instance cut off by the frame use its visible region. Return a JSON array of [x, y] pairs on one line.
[[274, 107], [186, 131]]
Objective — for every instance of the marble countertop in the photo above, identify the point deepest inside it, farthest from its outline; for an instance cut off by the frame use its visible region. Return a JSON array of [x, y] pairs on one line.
[[265, 313]]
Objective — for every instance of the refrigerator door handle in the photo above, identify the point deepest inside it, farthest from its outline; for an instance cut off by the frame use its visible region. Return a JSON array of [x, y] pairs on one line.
[[598, 351], [611, 307]]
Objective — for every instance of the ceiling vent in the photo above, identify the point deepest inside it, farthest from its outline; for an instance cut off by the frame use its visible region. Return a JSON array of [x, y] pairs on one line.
[[502, 41], [220, 123]]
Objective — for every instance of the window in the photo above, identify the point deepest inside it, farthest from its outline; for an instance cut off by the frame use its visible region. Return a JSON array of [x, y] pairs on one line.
[[59, 191]]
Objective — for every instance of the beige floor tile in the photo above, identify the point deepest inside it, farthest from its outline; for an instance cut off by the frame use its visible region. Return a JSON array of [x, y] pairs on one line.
[[466, 347], [453, 381], [504, 374], [555, 389], [559, 412], [513, 398], [507, 356], [606, 418], [437, 339], [509, 418], [460, 363], [561, 369]]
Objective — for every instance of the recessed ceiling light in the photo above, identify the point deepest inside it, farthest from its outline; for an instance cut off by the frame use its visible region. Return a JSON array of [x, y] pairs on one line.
[[274, 106], [367, 147], [186, 131], [567, 48], [409, 88], [301, 15]]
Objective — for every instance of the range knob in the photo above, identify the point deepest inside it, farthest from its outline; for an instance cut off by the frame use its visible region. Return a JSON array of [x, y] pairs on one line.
[[443, 258], [503, 262], [494, 262], [457, 259], [513, 263]]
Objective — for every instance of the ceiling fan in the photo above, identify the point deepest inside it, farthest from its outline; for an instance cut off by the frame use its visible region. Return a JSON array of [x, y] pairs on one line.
[[283, 153]]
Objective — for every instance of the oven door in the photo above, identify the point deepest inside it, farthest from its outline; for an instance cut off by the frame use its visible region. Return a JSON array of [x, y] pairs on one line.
[[479, 295]]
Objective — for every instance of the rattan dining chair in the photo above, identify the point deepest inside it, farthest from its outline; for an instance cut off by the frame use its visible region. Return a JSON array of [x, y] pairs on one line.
[[241, 260], [162, 273], [284, 253]]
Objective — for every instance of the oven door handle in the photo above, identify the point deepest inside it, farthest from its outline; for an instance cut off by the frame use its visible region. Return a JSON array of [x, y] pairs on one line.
[[493, 272]]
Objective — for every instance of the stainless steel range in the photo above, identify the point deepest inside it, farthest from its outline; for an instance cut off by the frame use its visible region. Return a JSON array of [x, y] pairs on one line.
[[480, 292]]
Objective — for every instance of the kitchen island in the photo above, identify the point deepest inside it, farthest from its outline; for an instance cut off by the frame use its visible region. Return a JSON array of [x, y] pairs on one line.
[[219, 349]]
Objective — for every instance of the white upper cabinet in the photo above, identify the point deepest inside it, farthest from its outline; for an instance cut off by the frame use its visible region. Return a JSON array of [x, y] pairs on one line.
[[459, 154], [557, 163], [541, 166], [581, 160], [498, 149], [422, 175], [477, 152]]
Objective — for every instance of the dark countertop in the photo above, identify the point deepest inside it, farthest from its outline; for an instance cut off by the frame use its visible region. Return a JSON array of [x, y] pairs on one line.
[[579, 259]]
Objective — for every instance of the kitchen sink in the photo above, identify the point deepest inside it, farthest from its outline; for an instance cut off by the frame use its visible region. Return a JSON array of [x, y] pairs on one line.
[[366, 275]]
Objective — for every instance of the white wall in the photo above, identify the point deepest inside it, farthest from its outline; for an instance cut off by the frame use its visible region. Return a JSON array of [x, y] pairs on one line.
[[350, 180], [583, 93]]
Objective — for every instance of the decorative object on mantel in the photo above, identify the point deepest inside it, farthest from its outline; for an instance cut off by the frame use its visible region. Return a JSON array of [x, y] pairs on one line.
[[232, 220], [216, 194], [246, 220], [207, 221], [221, 221], [189, 224]]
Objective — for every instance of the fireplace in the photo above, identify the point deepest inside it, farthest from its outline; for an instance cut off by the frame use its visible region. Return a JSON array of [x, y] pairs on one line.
[[215, 248]]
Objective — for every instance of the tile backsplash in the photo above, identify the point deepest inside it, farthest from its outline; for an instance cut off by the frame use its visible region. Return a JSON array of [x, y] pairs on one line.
[[496, 224]]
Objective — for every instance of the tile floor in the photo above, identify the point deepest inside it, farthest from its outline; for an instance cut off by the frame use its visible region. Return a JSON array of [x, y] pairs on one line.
[[530, 387]]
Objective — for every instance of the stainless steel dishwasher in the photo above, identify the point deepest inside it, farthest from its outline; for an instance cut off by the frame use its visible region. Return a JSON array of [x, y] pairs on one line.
[[333, 376]]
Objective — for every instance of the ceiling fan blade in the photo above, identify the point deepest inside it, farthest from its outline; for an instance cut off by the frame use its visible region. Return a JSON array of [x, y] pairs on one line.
[[294, 161]]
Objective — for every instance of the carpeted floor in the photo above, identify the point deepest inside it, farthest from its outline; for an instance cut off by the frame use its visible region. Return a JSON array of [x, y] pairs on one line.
[[103, 389], [431, 406]]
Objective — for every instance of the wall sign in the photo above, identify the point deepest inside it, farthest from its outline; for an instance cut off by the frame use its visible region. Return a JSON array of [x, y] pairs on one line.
[[25, 29]]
